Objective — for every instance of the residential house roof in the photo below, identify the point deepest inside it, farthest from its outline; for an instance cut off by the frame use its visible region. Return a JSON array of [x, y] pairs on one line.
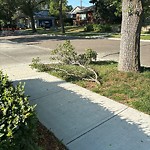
[[79, 9], [43, 14], [86, 9], [76, 9]]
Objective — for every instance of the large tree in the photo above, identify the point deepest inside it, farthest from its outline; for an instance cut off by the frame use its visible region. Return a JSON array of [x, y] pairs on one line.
[[7, 10], [58, 8], [132, 12], [132, 17], [29, 7]]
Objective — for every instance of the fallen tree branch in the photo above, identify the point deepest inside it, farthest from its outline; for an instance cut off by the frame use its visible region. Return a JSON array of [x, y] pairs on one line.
[[91, 70], [66, 54], [75, 75]]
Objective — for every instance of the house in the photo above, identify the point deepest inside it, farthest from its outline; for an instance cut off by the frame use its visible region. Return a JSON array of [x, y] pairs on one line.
[[43, 19], [82, 15], [73, 12]]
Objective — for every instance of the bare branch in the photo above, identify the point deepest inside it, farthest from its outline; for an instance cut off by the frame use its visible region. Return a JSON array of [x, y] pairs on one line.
[[75, 75]]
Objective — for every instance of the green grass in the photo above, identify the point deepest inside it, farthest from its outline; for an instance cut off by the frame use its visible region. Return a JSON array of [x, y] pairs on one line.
[[132, 89], [115, 35], [69, 30], [143, 36], [42, 31], [79, 31]]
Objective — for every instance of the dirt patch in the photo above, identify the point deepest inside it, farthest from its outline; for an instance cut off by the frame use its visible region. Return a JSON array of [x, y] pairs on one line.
[[47, 139]]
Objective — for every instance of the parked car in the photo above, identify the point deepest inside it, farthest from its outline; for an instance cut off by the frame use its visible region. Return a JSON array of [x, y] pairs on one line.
[[47, 25]]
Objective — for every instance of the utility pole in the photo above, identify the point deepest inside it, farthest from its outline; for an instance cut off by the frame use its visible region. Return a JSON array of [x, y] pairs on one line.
[[81, 4]]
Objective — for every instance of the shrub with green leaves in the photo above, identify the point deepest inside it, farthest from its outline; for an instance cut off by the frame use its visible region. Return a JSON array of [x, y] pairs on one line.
[[88, 28], [87, 57], [17, 117], [65, 53], [98, 28]]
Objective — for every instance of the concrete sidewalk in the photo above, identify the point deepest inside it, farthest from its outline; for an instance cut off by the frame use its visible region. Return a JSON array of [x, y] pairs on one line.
[[81, 119]]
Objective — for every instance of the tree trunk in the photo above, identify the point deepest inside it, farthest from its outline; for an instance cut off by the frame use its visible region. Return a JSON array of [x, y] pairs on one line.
[[61, 17], [129, 60], [33, 24]]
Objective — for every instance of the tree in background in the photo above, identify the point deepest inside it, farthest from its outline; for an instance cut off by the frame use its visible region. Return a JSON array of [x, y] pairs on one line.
[[58, 9], [146, 15], [69, 8], [8, 9], [29, 7], [107, 11]]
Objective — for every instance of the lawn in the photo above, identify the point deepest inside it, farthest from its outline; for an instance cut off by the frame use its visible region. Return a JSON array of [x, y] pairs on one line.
[[143, 36], [131, 89], [79, 31]]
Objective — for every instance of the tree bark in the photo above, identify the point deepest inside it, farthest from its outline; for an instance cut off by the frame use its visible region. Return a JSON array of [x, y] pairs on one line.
[[33, 24], [129, 59], [61, 17]]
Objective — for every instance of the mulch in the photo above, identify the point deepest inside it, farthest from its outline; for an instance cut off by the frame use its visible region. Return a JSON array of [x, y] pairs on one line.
[[47, 139]]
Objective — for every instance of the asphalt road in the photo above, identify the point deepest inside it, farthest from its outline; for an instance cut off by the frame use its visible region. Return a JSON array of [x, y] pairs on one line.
[[107, 49], [81, 119]]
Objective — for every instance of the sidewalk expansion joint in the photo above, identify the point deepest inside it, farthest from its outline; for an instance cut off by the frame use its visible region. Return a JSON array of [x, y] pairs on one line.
[[105, 121]]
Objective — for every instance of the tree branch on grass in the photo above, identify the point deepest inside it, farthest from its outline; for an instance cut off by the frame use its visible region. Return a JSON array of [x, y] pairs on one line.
[[66, 54], [90, 78]]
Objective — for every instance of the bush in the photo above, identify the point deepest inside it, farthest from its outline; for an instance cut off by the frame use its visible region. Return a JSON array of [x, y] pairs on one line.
[[68, 21], [88, 28], [106, 28], [17, 117], [87, 57], [98, 28]]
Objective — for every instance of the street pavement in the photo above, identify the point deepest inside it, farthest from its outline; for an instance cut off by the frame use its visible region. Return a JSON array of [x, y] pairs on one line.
[[81, 119], [107, 49]]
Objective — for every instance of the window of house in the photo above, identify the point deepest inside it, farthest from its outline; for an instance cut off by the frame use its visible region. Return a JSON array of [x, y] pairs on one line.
[[83, 16]]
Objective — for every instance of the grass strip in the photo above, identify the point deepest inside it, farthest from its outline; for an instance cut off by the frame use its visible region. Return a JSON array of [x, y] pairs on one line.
[[131, 89]]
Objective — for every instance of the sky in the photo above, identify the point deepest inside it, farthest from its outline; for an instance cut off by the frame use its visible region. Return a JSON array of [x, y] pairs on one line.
[[75, 3]]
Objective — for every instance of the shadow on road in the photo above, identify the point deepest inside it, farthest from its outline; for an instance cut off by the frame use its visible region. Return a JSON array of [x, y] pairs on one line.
[[145, 69], [38, 38]]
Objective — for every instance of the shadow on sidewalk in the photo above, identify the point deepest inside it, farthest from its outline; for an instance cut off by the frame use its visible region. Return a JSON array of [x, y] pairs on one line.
[[80, 122]]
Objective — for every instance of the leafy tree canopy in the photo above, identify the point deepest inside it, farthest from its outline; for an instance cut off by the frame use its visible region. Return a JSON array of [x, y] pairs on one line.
[[107, 10], [8, 9], [110, 10], [28, 7], [55, 7]]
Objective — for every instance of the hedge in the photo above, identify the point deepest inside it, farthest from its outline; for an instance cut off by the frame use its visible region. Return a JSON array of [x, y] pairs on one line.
[[17, 117]]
